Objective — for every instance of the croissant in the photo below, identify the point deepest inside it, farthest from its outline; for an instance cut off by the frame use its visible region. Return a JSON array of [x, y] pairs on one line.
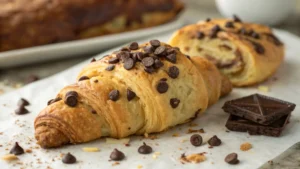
[[136, 90], [246, 53]]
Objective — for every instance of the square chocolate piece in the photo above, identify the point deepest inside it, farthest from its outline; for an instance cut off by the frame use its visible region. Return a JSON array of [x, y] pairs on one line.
[[259, 109], [235, 123]]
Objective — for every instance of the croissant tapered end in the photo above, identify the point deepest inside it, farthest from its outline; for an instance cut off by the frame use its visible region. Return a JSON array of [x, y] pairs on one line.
[[50, 137]]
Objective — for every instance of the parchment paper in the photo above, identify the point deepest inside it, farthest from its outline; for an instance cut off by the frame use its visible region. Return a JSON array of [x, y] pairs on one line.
[[20, 128]]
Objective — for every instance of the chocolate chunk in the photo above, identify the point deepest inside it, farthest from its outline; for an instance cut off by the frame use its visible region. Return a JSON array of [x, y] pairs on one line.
[[200, 35], [17, 149], [128, 63], [21, 110], [114, 95], [53, 101], [158, 64], [149, 70], [174, 102], [214, 31], [123, 55], [71, 98], [160, 50], [83, 78], [134, 46], [130, 95], [229, 24], [162, 86], [93, 60], [23, 102], [235, 123], [274, 39], [110, 67], [155, 43], [255, 35], [196, 140], [236, 18], [259, 108], [113, 60], [32, 78], [145, 149], [139, 55], [214, 141], [232, 158], [173, 72], [148, 61], [148, 49], [208, 20], [117, 155], [69, 159], [171, 58]]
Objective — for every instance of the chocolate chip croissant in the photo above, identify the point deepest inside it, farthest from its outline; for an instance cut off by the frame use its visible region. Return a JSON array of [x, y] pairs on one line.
[[246, 53], [136, 90]]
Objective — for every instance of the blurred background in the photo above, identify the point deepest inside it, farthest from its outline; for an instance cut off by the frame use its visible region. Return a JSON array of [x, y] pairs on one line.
[[281, 14]]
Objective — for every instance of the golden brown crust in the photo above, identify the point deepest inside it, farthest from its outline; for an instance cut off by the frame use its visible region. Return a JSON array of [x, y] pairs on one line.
[[41, 22], [246, 53], [192, 86]]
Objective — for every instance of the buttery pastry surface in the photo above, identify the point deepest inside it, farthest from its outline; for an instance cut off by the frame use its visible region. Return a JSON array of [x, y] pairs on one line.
[[246, 53], [40, 22], [106, 106]]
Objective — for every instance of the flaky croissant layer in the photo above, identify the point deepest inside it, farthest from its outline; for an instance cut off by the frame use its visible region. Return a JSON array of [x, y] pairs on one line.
[[138, 89]]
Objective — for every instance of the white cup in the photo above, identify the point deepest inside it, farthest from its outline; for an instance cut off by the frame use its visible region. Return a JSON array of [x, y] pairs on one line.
[[269, 12]]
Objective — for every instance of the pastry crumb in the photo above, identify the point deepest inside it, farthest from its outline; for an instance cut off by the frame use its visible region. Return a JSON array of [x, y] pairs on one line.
[[184, 140], [190, 130], [146, 135], [115, 163], [175, 135], [263, 88], [28, 151], [90, 149], [193, 124], [245, 146], [139, 166], [117, 141], [193, 158], [9, 157]]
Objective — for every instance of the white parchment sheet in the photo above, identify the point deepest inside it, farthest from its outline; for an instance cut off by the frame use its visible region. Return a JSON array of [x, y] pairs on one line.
[[20, 128]]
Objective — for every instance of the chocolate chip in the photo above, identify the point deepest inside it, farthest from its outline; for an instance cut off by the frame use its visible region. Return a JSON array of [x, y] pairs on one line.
[[149, 69], [134, 46], [162, 86], [71, 98], [145, 149], [96, 81], [274, 39], [139, 55], [257, 47], [94, 111], [148, 49], [163, 79], [83, 78], [53, 101], [125, 49], [243, 31], [236, 18], [148, 61], [114, 95], [17, 149], [130, 95], [229, 24], [158, 64], [32, 78], [214, 141], [21, 110], [171, 58], [69, 159], [93, 60], [174, 102], [196, 140], [214, 31], [110, 67], [155, 43], [208, 20], [113, 60], [128, 63], [187, 56], [200, 35], [255, 35], [171, 50], [232, 158], [173, 72], [23, 102], [160, 50], [123, 55], [117, 155]]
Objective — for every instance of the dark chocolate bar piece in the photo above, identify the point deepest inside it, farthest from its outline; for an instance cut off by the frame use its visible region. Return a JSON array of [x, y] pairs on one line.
[[259, 108], [235, 123]]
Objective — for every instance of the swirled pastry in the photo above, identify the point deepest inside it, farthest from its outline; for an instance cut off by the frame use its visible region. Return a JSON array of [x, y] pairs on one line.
[[246, 53], [136, 90]]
